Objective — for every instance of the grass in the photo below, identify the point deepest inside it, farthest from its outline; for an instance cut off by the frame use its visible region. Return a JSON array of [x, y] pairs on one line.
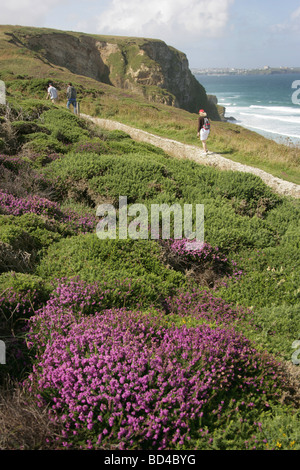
[[229, 140], [99, 99]]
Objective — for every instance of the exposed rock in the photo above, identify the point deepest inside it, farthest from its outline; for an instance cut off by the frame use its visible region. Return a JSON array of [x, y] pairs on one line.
[[146, 66]]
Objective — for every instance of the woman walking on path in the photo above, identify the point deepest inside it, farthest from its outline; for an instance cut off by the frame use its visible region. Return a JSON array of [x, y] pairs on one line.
[[203, 129]]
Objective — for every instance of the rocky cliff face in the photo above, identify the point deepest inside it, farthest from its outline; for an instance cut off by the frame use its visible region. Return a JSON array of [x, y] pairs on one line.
[[149, 67]]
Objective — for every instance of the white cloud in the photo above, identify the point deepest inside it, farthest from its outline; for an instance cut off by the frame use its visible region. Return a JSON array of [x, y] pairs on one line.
[[28, 12], [170, 20], [290, 25], [296, 15]]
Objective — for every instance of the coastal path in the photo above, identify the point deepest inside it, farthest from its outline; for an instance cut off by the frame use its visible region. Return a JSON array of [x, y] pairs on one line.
[[180, 150]]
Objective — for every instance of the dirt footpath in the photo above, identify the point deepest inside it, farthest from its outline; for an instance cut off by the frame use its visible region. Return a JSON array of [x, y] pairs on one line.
[[179, 150]]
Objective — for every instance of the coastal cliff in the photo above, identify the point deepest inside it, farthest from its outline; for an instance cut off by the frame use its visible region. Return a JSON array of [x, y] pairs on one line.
[[146, 66]]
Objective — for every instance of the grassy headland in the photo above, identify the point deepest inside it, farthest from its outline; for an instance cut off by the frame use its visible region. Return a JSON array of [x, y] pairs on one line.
[[28, 72]]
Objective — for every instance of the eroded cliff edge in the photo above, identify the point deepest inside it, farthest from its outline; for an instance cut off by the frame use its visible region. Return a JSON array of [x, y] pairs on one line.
[[147, 66]]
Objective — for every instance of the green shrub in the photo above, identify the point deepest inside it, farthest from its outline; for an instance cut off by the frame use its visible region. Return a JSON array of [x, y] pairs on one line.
[[233, 232], [263, 289], [34, 87], [21, 283], [142, 178], [41, 143], [30, 231], [108, 260], [277, 328], [28, 127], [30, 109], [65, 126]]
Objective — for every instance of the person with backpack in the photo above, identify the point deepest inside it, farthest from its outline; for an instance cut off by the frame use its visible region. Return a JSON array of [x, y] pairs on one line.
[[203, 129], [71, 97]]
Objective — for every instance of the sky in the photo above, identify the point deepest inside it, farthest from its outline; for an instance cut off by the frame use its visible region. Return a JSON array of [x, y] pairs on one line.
[[212, 33]]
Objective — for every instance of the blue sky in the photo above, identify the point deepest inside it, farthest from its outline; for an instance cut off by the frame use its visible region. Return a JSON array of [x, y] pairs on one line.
[[212, 33]]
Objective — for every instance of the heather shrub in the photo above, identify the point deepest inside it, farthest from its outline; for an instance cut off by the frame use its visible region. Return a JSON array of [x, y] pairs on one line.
[[14, 164], [21, 295], [248, 193], [50, 216], [277, 327], [18, 178], [199, 261], [93, 259], [42, 143], [204, 306], [32, 109], [232, 232], [121, 379], [30, 231], [25, 128], [142, 178], [95, 145], [66, 127]]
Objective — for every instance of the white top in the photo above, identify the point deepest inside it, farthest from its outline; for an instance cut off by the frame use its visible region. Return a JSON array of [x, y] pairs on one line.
[[52, 92]]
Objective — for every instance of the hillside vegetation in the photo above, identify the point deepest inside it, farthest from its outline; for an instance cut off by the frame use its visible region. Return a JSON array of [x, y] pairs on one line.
[[139, 344]]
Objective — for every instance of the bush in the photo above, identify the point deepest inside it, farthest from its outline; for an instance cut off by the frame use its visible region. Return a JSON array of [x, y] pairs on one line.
[[65, 126], [120, 379], [43, 144], [277, 328], [95, 260], [142, 179]]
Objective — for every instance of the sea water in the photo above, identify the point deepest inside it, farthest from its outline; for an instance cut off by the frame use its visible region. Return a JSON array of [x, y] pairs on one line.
[[266, 104]]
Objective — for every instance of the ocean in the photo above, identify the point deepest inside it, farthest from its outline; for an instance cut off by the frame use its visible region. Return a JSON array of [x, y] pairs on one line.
[[266, 104]]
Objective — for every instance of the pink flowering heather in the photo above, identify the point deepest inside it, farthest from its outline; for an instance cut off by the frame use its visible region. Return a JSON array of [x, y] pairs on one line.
[[13, 205], [203, 305], [12, 163], [197, 252], [119, 378], [201, 258]]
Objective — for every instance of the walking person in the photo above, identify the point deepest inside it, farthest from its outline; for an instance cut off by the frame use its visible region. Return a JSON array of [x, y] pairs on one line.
[[71, 97], [52, 93], [203, 129]]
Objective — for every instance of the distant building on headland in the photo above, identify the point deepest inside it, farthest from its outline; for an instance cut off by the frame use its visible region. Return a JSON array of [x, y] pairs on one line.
[[240, 71]]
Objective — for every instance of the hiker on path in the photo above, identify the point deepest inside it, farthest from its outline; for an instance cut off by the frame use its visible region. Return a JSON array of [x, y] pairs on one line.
[[71, 96], [203, 129], [52, 93]]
